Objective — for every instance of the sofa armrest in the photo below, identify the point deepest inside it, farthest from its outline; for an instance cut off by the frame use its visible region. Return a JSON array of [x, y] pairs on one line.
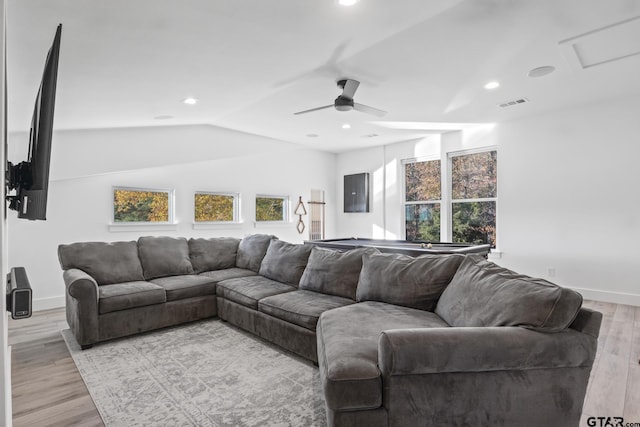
[[480, 349], [82, 305], [80, 285], [588, 322]]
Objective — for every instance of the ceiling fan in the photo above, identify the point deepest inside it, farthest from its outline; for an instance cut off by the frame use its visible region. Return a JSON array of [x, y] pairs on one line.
[[345, 101]]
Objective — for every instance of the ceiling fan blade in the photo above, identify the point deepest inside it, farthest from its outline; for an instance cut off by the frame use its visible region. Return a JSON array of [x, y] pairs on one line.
[[350, 88], [314, 109], [369, 110]]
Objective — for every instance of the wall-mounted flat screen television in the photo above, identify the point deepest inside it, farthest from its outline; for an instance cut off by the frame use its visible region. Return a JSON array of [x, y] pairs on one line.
[[30, 179]]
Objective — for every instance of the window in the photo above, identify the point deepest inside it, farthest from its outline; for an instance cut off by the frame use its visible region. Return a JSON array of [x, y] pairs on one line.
[[465, 211], [216, 207], [272, 208], [422, 200], [474, 192], [142, 205]]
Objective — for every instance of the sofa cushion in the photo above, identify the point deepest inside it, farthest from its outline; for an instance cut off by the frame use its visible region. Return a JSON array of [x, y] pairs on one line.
[[228, 273], [302, 308], [186, 286], [248, 291], [333, 272], [405, 280], [122, 296], [106, 262], [164, 256], [251, 251], [285, 262], [213, 254], [348, 350], [485, 294]]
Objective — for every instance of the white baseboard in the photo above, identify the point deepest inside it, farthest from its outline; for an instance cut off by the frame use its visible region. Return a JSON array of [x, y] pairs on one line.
[[40, 304], [613, 297]]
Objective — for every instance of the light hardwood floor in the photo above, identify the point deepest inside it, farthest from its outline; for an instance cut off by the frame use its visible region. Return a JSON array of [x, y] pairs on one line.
[[48, 390]]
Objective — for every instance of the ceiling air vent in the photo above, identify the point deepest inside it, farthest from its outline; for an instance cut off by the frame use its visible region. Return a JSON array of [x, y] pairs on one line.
[[514, 102]]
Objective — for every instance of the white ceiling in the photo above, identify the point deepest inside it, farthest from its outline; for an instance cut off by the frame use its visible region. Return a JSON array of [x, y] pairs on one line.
[[252, 63]]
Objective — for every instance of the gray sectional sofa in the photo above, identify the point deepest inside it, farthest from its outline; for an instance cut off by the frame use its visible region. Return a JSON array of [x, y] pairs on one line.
[[432, 340]]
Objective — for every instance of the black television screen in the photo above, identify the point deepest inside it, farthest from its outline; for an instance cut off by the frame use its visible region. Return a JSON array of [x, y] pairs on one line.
[[30, 179]]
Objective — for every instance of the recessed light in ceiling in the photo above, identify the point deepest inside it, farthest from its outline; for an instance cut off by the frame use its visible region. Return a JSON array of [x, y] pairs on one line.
[[347, 2], [346, 126], [163, 117], [492, 85], [541, 71], [312, 135], [190, 101]]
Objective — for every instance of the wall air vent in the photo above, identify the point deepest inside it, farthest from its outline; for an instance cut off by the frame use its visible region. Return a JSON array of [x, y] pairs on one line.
[[514, 102]]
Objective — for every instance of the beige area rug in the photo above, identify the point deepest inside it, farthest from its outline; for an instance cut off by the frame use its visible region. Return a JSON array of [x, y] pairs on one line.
[[202, 374]]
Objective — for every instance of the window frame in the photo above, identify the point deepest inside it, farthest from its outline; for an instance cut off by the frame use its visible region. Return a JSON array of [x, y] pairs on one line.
[[440, 202], [236, 208], [449, 182], [171, 222], [286, 208], [446, 191]]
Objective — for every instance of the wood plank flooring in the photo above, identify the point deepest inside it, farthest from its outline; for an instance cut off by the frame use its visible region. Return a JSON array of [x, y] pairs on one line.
[[48, 390]]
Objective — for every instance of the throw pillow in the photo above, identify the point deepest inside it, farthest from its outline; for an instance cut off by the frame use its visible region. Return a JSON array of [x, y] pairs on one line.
[[285, 262], [485, 294], [164, 256], [251, 251], [333, 272], [213, 254], [107, 263], [404, 280]]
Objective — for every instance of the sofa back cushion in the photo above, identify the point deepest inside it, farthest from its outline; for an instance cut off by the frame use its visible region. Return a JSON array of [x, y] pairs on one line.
[[164, 256], [252, 250], [285, 262], [404, 280], [107, 263], [485, 294], [333, 272], [213, 254]]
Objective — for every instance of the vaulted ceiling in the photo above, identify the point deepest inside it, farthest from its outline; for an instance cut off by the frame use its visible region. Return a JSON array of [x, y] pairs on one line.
[[253, 63]]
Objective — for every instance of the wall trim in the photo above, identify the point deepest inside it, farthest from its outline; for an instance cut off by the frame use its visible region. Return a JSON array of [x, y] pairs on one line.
[[40, 304], [613, 297]]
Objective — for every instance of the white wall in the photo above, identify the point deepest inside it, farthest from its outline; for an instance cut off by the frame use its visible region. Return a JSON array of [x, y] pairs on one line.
[[80, 207], [568, 198], [568, 206]]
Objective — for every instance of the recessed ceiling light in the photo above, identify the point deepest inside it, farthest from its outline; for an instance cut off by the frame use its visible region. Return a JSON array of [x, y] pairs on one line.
[[312, 135], [190, 101], [541, 71], [163, 117], [347, 2], [492, 85], [346, 126]]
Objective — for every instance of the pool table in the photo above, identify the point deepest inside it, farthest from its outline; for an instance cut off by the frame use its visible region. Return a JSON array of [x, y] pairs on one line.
[[406, 247]]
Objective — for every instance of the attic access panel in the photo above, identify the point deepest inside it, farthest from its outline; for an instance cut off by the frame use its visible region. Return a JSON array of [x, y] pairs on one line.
[[356, 192]]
